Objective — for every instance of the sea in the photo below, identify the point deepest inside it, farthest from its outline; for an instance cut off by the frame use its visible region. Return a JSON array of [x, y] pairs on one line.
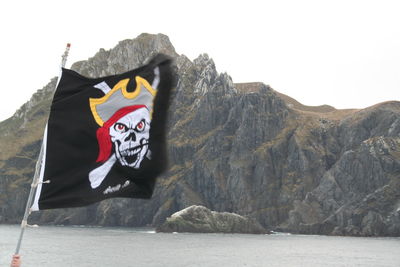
[[73, 246]]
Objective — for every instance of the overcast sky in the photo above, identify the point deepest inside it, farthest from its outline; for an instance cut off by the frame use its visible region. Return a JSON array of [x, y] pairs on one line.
[[342, 53]]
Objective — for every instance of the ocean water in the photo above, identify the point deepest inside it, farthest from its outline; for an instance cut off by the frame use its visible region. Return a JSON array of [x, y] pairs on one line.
[[84, 246]]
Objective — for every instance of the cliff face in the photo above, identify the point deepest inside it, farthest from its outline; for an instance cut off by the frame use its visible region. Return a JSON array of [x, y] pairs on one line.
[[241, 148], [359, 193]]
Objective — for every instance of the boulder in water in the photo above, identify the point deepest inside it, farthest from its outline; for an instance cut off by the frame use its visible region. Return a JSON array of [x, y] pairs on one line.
[[199, 219]]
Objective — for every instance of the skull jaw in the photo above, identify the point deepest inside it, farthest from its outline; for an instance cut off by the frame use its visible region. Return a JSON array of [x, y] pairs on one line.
[[130, 159]]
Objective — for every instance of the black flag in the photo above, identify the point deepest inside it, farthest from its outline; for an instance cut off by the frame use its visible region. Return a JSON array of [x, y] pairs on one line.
[[106, 137]]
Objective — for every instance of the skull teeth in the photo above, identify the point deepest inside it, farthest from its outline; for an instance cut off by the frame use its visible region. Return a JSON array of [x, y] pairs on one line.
[[130, 152]]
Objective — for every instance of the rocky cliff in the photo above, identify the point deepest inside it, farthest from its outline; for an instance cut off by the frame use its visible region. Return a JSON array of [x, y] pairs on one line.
[[241, 148]]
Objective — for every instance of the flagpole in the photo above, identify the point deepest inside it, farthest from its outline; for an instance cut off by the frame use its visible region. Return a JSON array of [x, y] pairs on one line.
[[39, 163]]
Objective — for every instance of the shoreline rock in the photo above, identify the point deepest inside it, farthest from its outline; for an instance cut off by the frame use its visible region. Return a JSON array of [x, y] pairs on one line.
[[199, 219]]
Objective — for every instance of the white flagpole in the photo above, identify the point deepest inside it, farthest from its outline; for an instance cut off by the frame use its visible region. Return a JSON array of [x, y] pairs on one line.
[[39, 163]]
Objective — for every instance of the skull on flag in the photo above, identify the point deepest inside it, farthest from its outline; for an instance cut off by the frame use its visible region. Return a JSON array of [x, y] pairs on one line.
[[124, 118], [130, 135]]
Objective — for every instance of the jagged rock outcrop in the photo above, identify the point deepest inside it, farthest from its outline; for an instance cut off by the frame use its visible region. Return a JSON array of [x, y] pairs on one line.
[[359, 195], [241, 148], [199, 219]]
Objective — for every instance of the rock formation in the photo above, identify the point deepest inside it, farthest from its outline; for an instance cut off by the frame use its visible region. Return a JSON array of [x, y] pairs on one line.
[[199, 219], [241, 148]]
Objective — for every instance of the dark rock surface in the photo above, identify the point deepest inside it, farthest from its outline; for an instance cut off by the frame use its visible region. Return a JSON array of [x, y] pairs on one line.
[[199, 219], [241, 148]]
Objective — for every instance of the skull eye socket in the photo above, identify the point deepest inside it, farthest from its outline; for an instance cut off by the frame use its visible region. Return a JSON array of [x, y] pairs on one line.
[[140, 126], [120, 127]]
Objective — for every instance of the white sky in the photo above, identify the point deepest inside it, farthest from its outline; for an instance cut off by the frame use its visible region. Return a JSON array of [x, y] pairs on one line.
[[342, 53]]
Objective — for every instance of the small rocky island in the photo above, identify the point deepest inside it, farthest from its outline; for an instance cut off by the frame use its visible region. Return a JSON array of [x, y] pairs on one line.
[[199, 219]]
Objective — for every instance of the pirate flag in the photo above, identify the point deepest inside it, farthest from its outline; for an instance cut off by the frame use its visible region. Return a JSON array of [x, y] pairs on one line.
[[105, 137]]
